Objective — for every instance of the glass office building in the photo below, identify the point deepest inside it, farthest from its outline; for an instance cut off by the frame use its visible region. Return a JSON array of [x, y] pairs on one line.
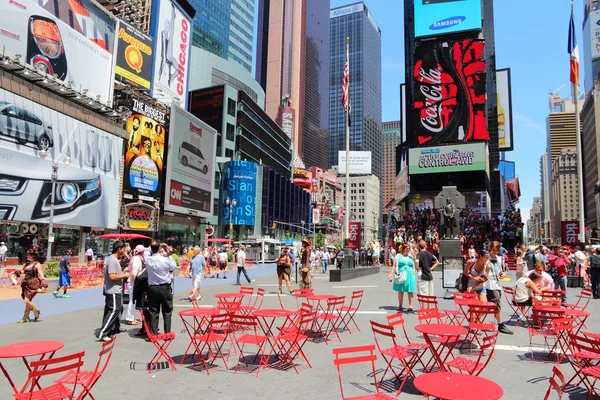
[[356, 22], [225, 28]]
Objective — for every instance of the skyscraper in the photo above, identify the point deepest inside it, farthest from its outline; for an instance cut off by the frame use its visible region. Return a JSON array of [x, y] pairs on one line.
[[293, 63], [391, 139], [225, 28], [356, 22]]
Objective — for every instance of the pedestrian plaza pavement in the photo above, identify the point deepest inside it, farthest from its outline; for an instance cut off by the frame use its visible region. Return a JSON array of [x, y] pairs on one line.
[[127, 377]]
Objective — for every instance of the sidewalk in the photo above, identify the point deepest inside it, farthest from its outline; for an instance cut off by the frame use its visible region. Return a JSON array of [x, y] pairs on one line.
[[82, 299]]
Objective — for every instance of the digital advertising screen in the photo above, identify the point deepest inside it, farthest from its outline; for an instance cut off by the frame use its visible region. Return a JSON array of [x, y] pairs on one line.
[[440, 17]]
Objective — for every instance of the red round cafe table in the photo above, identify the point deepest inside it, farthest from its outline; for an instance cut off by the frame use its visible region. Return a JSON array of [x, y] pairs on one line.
[[457, 386], [450, 333], [23, 350]]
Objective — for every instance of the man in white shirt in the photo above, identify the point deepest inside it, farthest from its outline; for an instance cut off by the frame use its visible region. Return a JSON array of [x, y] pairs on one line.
[[223, 259], [3, 253], [494, 273], [240, 260], [581, 265], [160, 266], [547, 283]]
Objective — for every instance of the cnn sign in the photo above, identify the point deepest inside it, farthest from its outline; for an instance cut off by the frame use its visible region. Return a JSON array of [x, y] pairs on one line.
[[569, 232], [354, 234]]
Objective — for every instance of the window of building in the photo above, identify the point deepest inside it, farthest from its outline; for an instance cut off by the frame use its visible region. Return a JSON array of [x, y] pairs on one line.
[[230, 132], [228, 153], [231, 107]]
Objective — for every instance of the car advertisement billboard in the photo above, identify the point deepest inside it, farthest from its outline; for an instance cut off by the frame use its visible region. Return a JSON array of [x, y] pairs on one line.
[[450, 94], [173, 33], [207, 104], [440, 17], [359, 163], [504, 101], [240, 185], [134, 55], [81, 56], [191, 165], [444, 159], [32, 138], [145, 149]]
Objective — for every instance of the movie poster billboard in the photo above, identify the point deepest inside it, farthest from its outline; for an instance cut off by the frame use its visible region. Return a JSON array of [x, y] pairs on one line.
[[134, 54], [145, 149], [173, 33], [33, 138], [240, 185], [504, 107], [76, 48], [190, 172], [450, 94]]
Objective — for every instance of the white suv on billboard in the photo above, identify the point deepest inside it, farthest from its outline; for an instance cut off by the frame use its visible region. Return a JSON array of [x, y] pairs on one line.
[[24, 126], [191, 156]]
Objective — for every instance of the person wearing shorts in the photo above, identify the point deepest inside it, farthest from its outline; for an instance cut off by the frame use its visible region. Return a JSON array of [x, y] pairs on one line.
[[196, 268], [494, 273], [223, 258]]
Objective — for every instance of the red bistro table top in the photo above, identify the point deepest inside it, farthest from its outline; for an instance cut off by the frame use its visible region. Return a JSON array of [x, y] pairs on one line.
[[319, 297], [30, 349], [199, 312], [441, 329], [472, 302], [272, 313], [457, 386], [229, 295]]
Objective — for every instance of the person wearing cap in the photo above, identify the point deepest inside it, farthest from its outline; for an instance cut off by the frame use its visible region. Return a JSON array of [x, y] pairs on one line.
[[136, 264], [3, 251], [305, 264]]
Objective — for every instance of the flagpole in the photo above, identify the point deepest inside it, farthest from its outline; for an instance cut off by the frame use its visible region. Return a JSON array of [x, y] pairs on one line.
[[347, 203]]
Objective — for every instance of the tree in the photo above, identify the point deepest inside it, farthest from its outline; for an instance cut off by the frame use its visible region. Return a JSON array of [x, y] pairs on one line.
[[297, 236], [320, 240], [287, 235]]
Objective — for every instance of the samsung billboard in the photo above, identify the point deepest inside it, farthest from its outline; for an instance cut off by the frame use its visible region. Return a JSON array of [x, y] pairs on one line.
[[440, 17]]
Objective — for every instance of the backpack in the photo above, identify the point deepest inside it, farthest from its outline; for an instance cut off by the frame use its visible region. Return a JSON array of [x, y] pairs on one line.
[[595, 263], [461, 283]]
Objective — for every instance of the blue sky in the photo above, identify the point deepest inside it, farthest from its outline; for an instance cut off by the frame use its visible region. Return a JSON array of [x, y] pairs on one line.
[[531, 39]]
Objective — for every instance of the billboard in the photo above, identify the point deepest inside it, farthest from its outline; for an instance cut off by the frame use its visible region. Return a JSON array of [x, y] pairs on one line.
[[595, 33], [144, 152], [207, 105], [569, 233], [401, 186], [286, 119], [240, 185], [79, 56], [191, 165], [173, 32], [444, 159], [354, 235], [88, 183], [134, 56], [360, 162], [513, 189], [450, 94], [440, 17], [504, 100]]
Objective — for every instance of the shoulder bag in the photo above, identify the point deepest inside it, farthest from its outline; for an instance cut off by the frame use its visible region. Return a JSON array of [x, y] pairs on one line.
[[400, 276]]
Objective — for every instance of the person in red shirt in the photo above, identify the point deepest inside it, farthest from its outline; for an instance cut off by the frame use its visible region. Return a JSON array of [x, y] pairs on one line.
[[560, 281]]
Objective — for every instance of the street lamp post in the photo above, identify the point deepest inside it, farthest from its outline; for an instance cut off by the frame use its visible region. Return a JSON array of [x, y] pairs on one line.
[[231, 204]]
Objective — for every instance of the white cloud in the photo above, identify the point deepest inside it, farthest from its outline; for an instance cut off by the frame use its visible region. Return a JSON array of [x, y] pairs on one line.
[[525, 122]]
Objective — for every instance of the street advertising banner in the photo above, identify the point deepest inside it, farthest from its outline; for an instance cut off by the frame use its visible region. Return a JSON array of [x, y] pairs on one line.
[[401, 185], [32, 138], [135, 52], [504, 101], [139, 216], [240, 185], [360, 162], [441, 17], [145, 149], [595, 33], [450, 94], [513, 189], [207, 105], [444, 159], [191, 163], [173, 33], [354, 234], [569, 232]]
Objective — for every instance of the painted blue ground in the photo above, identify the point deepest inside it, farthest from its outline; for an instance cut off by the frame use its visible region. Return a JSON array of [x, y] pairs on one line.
[[12, 309]]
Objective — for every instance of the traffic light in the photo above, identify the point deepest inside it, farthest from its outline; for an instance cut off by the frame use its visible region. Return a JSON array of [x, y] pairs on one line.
[[541, 231], [274, 226]]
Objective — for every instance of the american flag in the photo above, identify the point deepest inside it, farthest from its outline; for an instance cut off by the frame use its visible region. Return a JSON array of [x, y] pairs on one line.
[[573, 51], [346, 89]]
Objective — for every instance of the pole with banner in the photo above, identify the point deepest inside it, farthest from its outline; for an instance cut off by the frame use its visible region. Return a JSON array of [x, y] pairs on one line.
[[348, 253], [574, 68]]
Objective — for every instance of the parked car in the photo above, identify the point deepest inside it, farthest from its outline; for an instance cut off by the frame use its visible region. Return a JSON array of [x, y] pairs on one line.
[[191, 156], [24, 126]]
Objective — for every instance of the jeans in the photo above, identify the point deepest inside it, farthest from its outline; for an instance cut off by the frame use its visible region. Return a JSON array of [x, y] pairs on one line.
[[561, 283], [240, 270], [324, 263]]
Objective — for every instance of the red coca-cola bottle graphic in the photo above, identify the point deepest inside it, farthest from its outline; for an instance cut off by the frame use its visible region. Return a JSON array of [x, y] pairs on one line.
[[449, 93]]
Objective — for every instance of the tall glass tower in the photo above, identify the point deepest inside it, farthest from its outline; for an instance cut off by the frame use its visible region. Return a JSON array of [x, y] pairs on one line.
[[356, 22], [225, 28]]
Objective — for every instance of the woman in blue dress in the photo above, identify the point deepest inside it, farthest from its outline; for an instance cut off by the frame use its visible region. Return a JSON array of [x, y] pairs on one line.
[[405, 262]]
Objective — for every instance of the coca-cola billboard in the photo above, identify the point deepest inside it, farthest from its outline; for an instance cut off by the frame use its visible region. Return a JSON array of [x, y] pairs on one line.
[[354, 235], [449, 93]]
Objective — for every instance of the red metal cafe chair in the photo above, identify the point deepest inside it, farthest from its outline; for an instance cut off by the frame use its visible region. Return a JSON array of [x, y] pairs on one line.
[[88, 378], [476, 366], [302, 293], [427, 301], [350, 310], [417, 348], [478, 324], [255, 302], [559, 388], [44, 368], [584, 359], [385, 340], [351, 356], [509, 294], [563, 328], [290, 341], [331, 319], [582, 301], [455, 316], [541, 327], [247, 291], [161, 342], [248, 335], [212, 341]]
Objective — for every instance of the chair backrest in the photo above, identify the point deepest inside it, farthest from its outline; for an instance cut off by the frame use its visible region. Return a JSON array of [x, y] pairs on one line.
[[248, 291], [581, 343], [219, 321], [304, 292], [508, 292], [383, 334], [552, 294], [427, 301], [398, 319], [557, 376], [542, 319], [53, 366], [105, 355], [427, 315], [547, 302], [260, 297], [230, 307], [243, 323], [353, 356], [335, 304], [584, 298], [306, 321], [480, 312], [487, 344], [356, 299], [146, 325]]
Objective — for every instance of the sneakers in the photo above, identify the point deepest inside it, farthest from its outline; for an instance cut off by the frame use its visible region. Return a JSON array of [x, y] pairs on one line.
[[66, 296], [199, 298], [55, 293], [503, 329], [104, 339]]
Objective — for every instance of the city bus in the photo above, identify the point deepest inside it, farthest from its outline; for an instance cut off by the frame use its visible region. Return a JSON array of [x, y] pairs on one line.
[[262, 250]]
